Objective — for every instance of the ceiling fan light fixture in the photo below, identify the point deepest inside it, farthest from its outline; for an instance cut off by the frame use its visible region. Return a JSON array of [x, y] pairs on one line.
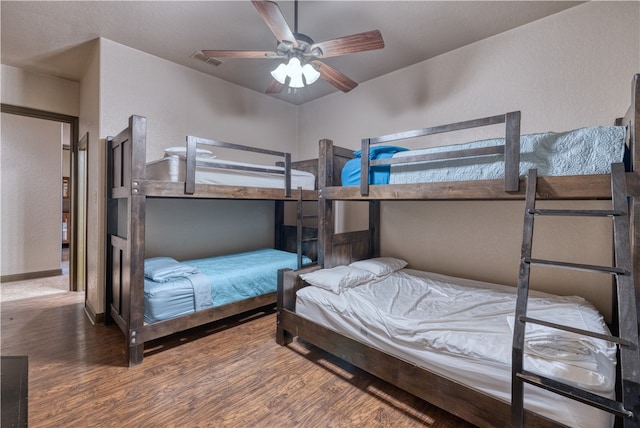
[[295, 72]]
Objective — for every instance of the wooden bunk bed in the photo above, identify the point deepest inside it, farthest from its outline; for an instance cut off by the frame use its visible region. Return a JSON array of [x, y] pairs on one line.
[[469, 403], [129, 187]]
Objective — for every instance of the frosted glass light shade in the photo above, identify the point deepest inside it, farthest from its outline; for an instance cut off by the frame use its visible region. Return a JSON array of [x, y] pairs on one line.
[[310, 74], [280, 73], [295, 71]]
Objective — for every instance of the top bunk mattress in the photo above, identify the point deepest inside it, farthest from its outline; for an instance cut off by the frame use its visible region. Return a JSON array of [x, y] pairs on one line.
[[173, 168], [581, 151], [462, 329]]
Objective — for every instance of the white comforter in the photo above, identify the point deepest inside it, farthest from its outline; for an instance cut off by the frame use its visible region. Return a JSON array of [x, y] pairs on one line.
[[463, 330]]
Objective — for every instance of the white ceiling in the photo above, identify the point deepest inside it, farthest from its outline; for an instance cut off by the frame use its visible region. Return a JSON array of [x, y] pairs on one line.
[[53, 37]]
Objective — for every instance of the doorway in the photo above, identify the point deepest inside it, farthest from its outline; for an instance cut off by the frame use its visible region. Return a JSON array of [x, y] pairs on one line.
[[75, 282]]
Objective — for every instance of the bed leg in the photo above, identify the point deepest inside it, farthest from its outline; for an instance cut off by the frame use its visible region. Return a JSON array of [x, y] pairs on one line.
[[136, 354], [283, 337]]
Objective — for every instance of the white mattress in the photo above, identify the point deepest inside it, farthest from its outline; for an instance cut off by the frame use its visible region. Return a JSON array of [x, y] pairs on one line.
[[578, 152], [172, 168], [462, 329]]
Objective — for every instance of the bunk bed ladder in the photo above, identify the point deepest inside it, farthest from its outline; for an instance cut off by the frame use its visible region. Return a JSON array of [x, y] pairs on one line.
[[301, 237], [628, 406]]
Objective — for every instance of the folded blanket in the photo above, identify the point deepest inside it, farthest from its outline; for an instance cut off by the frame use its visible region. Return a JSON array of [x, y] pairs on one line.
[[201, 291]]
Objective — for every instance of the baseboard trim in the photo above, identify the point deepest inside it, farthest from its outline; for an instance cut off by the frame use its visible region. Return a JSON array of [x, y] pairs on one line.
[[93, 317], [30, 275]]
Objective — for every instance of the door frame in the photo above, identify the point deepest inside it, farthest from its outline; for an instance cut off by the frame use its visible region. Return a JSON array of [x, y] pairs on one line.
[[73, 122]]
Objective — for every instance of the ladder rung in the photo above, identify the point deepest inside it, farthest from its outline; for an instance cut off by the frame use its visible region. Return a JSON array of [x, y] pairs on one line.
[[577, 394], [577, 266], [608, 337], [309, 216], [578, 213], [310, 240]]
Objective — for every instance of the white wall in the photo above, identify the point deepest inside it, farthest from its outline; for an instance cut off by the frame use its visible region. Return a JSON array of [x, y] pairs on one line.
[[565, 71], [31, 196]]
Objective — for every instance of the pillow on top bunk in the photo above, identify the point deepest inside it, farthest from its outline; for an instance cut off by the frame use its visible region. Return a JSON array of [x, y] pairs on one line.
[[380, 266], [164, 269], [182, 152], [379, 152], [338, 279]]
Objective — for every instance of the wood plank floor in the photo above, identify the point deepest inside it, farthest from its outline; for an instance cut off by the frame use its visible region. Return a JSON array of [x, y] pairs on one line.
[[223, 375]]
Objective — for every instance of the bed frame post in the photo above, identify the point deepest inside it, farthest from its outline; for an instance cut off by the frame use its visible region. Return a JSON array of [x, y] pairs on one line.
[[325, 207], [279, 238], [512, 152], [283, 301], [632, 120], [136, 236], [111, 226], [364, 169], [374, 228], [634, 147]]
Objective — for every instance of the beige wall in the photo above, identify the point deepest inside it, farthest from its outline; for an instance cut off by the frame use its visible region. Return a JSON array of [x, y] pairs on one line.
[[31, 196], [565, 71], [39, 91], [178, 102], [568, 70], [89, 122], [31, 204]]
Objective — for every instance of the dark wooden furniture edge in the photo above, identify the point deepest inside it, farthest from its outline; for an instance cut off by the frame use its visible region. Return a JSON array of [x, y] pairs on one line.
[[125, 166], [510, 148], [390, 368], [559, 188], [195, 319]]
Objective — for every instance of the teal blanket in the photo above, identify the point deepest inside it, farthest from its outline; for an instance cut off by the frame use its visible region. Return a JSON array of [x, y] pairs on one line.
[[231, 278]]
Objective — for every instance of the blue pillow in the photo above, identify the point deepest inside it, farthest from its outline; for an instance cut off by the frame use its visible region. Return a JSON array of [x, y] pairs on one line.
[[377, 174], [375, 152]]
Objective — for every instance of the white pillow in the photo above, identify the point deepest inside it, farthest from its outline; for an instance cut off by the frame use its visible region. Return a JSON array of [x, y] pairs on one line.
[[338, 279], [380, 266], [182, 152], [164, 269]]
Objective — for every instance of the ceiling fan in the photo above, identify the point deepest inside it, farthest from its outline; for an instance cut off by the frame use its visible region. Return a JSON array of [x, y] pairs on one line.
[[302, 53]]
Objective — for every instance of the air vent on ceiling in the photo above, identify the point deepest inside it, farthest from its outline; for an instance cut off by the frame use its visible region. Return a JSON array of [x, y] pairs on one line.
[[199, 56]]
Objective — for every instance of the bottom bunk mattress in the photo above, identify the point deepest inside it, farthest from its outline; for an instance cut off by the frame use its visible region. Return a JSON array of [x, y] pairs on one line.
[[173, 289], [462, 330]]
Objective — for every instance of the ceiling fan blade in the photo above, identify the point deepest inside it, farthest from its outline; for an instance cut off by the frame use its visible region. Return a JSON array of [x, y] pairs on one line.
[[334, 77], [239, 54], [273, 17], [274, 87], [367, 41]]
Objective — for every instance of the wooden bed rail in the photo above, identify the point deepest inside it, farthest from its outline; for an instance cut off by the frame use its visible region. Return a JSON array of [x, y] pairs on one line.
[[192, 142], [511, 148]]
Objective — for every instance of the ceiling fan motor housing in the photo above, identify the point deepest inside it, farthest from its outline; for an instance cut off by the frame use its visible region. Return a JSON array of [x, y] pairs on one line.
[[303, 50]]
